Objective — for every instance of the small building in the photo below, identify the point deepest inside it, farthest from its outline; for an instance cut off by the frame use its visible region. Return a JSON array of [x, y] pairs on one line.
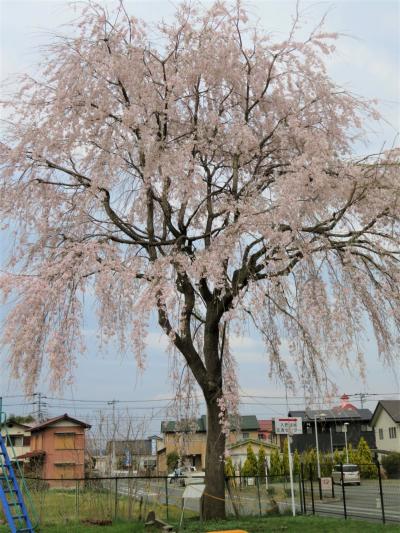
[[238, 451], [19, 438], [189, 439], [386, 424], [333, 426], [57, 451], [138, 455]]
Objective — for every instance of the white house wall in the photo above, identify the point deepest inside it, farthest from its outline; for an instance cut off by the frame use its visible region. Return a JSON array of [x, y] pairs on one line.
[[384, 422]]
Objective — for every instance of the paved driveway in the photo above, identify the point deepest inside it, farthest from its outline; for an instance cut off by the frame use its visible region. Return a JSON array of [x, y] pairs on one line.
[[361, 501]]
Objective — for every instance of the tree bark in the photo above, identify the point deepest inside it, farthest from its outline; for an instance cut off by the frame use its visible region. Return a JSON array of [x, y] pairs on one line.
[[214, 498]]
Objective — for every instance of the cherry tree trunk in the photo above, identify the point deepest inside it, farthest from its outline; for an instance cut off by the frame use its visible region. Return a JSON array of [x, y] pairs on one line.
[[214, 499]]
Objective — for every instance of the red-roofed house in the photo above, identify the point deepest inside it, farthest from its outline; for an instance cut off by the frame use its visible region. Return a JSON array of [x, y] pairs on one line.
[[57, 452], [266, 432]]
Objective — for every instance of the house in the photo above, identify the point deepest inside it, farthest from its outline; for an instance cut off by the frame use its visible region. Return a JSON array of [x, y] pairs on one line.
[[19, 438], [238, 450], [57, 451], [139, 455], [386, 424], [266, 432], [189, 439], [333, 427]]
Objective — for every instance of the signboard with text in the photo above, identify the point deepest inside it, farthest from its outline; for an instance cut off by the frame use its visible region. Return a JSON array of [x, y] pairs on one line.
[[288, 425], [326, 483]]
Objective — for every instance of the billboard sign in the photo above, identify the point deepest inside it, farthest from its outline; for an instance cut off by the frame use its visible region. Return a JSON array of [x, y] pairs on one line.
[[288, 425]]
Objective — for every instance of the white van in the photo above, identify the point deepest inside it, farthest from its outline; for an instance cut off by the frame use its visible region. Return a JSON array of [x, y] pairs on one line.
[[351, 474]]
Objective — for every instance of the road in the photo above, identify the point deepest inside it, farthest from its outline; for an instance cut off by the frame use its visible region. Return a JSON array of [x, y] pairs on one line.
[[361, 501]]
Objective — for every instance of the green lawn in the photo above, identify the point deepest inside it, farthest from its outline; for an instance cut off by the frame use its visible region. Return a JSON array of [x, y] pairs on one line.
[[300, 524]]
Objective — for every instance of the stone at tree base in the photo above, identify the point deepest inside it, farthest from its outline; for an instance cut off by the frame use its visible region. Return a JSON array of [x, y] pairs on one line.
[[152, 521]]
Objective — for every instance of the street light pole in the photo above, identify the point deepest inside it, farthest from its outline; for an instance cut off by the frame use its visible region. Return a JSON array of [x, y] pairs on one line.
[[317, 447], [322, 415], [345, 441]]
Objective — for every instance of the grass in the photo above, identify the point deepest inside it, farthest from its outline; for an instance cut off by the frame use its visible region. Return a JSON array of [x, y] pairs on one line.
[[299, 524], [62, 511]]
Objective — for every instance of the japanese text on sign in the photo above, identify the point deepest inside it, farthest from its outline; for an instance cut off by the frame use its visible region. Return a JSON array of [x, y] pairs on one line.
[[288, 426]]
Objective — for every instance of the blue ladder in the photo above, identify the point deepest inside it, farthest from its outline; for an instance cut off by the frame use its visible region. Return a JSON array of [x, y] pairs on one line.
[[11, 497]]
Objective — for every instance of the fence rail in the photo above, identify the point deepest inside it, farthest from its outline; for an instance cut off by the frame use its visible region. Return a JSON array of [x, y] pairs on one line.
[[128, 497]]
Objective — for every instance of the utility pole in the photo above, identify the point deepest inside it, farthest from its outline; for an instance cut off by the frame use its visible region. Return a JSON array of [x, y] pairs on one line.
[[362, 396], [113, 458]]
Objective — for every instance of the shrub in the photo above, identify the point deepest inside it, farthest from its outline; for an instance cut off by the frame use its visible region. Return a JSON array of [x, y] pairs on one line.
[[391, 464], [172, 460], [364, 460], [250, 467], [229, 468], [275, 468], [261, 463]]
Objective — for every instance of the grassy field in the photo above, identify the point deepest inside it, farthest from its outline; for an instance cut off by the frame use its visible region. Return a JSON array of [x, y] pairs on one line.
[[300, 524], [64, 511]]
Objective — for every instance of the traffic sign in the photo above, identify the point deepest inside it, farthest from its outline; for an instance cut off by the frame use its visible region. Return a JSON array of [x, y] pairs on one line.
[[289, 425]]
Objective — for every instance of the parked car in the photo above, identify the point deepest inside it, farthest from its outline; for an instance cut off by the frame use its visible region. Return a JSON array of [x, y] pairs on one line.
[[351, 474], [184, 475]]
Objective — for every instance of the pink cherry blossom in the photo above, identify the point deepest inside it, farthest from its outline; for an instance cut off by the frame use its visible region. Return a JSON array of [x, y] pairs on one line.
[[203, 172]]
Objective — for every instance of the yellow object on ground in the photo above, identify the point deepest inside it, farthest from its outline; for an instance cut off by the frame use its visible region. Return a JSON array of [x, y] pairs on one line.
[[230, 531]]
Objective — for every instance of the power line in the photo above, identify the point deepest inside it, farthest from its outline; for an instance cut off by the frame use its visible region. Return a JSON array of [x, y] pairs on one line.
[[278, 397]]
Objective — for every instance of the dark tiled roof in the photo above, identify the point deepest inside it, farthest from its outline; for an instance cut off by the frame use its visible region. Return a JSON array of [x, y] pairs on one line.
[[135, 447], [392, 407], [65, 417], [247, 423], [336, 414]]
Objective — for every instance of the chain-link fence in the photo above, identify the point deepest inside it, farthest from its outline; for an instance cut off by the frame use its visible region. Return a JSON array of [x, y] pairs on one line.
[[373, 497], [102, 499]]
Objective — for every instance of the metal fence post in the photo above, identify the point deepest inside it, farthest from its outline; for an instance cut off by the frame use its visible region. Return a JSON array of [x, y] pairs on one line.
[[116, 498], [258, 494], [312, 490], [378, 466], [300, 495], [166, 496], [77, 500], [302, 486], [343, 492]]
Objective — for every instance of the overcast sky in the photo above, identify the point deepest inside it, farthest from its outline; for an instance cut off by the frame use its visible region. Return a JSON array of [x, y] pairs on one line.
[[367, 62]]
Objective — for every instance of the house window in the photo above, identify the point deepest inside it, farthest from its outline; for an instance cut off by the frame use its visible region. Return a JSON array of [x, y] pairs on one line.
[[245, 435], [17, 440], [339, 429], [309, 429], [65, 470], [365, 427], [392, 433], [380, 433], [261, 436], [64, 441]]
